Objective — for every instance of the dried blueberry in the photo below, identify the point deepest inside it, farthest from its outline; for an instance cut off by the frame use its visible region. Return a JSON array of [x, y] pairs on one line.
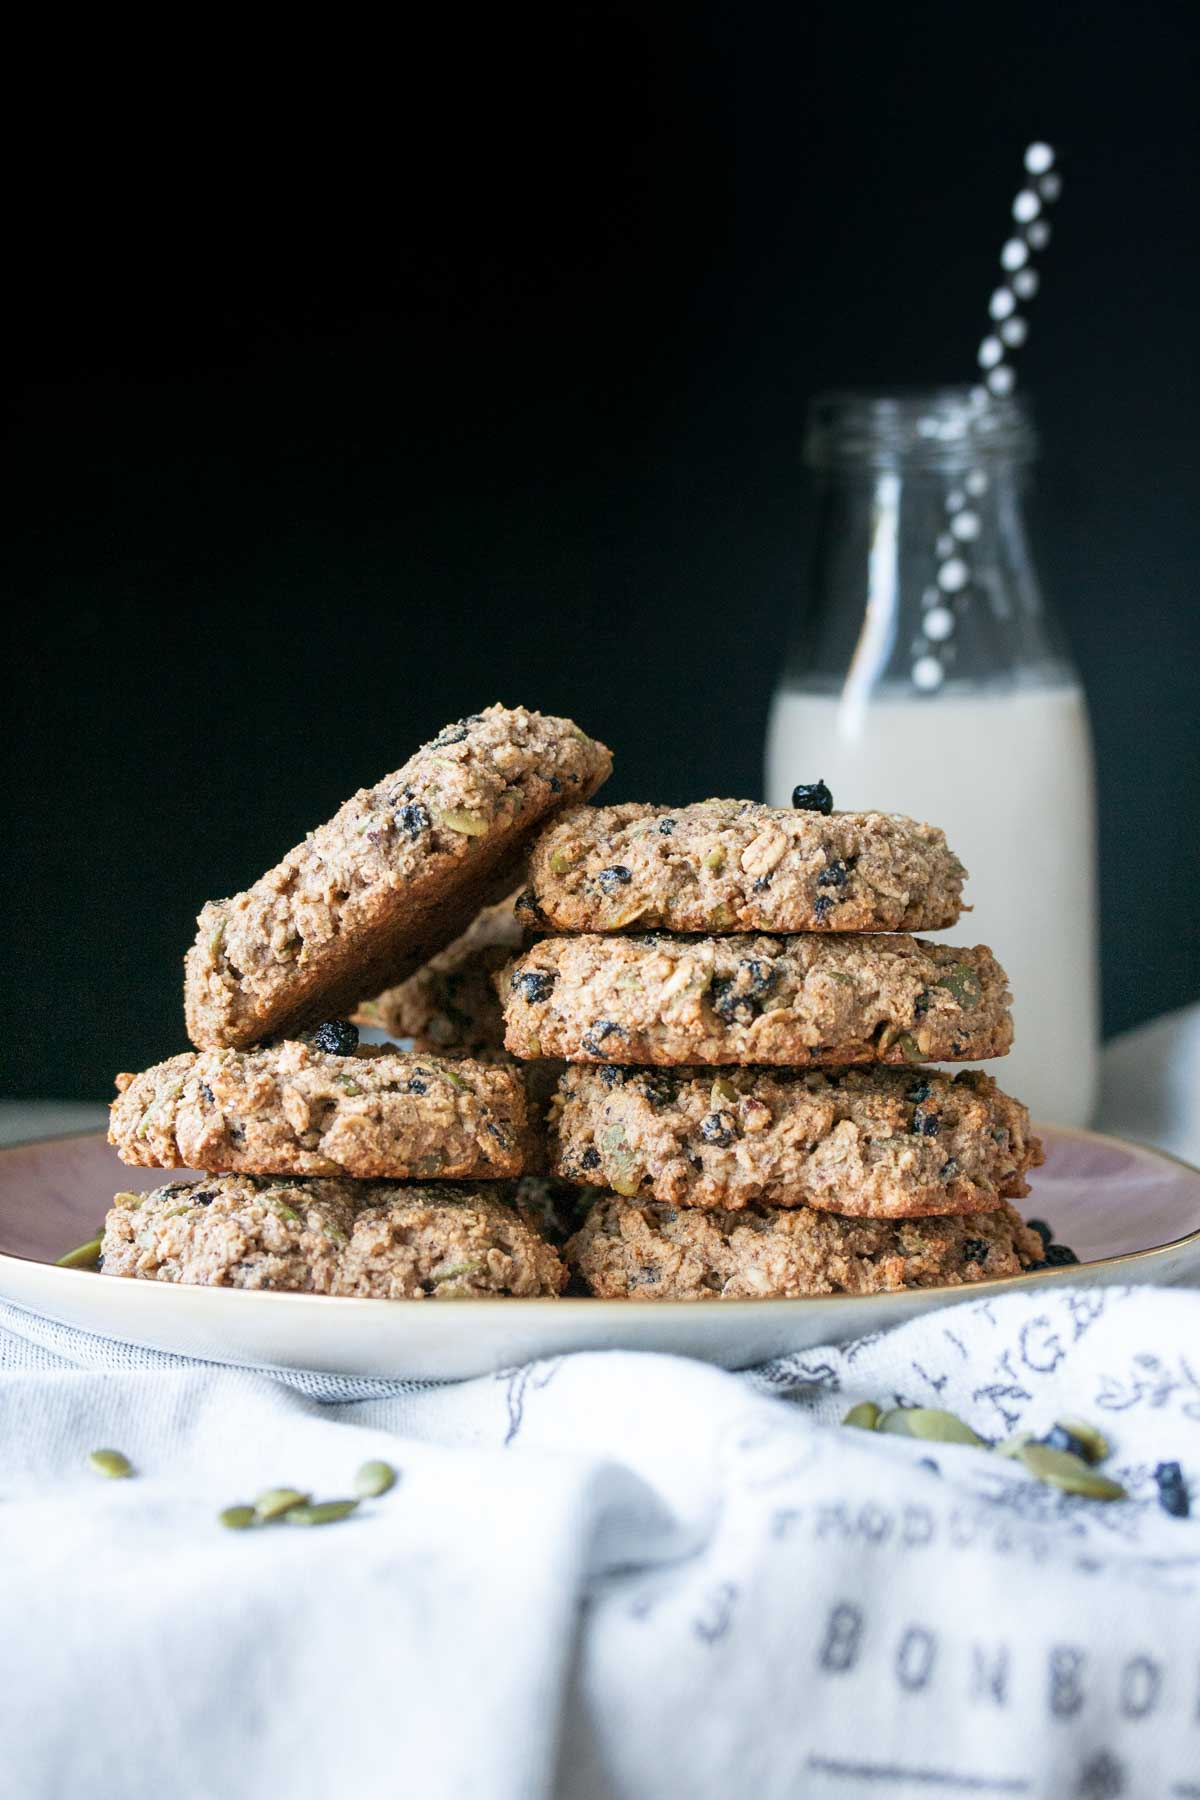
[[206, 1093], [949, 1169], [975, 1250], [921, 1005], [611, 879], [204, 1197], [760, 884], [926, 1124], [527, 909], [416, 1086], [833, 875], [453, 734], [612, 1077], [657, 1088], [337, 1036], [1043, 1230], [666, 826], [737, 998], [756, 977], [590, 1158], [597, 1035], [555, 785], [822, 907], [812, 796], [1058, 1256], [728, 1004], [534, 985], [715, 1130], [1172, 1492], [920, 1090], [413, 818]]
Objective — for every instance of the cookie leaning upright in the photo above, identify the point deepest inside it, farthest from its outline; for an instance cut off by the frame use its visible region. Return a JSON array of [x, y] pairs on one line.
[[397, 873], [733, 865]]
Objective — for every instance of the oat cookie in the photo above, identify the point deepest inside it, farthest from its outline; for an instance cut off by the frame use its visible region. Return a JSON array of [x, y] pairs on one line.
[[876, 1143], [378, 1240], [292, 1109], [733, 865], [397, 873], [810, 998], [642, 1250], [450, 1004]]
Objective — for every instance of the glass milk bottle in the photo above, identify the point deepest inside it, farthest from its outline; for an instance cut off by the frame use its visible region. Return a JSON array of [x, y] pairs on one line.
[[927, 678]]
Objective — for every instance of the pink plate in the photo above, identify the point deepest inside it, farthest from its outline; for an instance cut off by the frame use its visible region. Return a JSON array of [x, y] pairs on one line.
[[1131, 1214]]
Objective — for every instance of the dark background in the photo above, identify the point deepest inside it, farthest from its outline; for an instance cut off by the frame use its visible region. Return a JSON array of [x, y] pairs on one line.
[[386, 379]]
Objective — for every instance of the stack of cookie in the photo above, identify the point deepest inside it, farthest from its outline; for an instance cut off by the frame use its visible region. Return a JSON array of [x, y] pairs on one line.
[[748, 1027], [333, 1167]]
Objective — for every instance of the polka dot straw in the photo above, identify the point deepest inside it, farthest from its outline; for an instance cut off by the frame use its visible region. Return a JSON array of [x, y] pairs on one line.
[[1009, 329]]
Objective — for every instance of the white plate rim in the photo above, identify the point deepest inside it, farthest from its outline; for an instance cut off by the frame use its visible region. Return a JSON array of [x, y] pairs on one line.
[[502, 1306]]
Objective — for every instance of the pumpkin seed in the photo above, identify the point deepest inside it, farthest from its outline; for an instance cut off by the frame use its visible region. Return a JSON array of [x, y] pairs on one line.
[[277, 1501], [620, 1163], [1060, 1469], [215, 940], [1095, 1445], [715, 860], [467, 824], [928, 1422], [560, 862], [283, 1211], [533, 1046], [865, 1415], [85, 1257], [1013, 1446], [457, 1269], [325, 1512], [455, 1081], [963, 983], [237, 1518], [722, 1089], [110, 1463], [128, 1202], [373, 1479], [347, 1085]]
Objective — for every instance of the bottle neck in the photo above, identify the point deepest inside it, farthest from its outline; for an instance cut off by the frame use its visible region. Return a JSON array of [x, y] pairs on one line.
[[922, 580]]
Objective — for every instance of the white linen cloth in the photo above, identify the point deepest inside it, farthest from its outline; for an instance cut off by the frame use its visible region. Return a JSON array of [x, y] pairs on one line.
[[607, 1575]]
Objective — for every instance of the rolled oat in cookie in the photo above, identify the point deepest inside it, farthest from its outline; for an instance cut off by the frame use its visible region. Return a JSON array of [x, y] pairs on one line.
[[396, 874], [805, 999], [733, 865], [376, 1240], [876, 1143], [642, 1250], [292, 1109]]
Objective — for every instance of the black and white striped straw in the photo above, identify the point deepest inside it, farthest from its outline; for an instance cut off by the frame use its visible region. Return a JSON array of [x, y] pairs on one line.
[[1007, 331]]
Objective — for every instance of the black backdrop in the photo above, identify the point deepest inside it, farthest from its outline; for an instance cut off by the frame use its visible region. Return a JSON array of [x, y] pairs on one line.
[[382, 381]]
